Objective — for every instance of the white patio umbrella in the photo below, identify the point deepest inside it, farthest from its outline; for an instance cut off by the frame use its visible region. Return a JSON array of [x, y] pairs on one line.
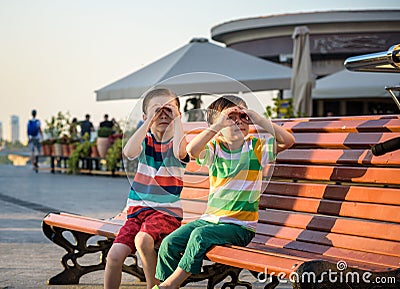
[[201, 67], [346, 84], [302, 77]]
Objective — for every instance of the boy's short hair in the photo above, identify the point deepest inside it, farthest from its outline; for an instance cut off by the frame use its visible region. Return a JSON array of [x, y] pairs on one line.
[[158, 92], [222, 103]]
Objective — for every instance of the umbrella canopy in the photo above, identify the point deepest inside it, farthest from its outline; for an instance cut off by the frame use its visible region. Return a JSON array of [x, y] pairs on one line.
[[201, 67], [302, 76], [346, 84]]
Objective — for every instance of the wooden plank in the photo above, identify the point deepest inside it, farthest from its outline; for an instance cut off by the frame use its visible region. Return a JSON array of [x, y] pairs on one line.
[[342, 139], [338, 156], [197, 194], [86, 225], [334, 208], [254, 261], [340, 225], [258, 245], [193, 207], [354, 124], [379, 195], [377, 246], [330, 251], [196, 181], [370, 175]]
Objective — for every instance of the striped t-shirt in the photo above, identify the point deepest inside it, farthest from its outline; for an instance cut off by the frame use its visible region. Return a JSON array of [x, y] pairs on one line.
[[235, 180], [158, 179]]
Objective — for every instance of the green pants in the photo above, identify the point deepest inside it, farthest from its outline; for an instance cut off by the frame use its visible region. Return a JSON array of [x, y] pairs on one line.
[[187, 246]]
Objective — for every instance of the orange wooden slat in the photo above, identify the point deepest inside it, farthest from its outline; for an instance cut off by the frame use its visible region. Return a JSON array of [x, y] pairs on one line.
[[338, 156], [354, 124], [194, 207], [330, 251], [340, 225], [342, 140], [331, 207], [379, 195], [254, 261], [371, 175], [86, 225], [353, 260], [193, 168], [196, 181], [331, 239]]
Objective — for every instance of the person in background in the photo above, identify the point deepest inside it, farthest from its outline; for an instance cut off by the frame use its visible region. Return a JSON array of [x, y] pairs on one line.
[[116, 128], [106, 122], [34, 132], [86, 127], [73, 129]]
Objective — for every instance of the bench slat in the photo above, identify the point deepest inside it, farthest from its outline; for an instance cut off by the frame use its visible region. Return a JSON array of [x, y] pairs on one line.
[[258, 245], [331, 239], [86, 225], [339, 253], [372, 175], [194, 207], [330, 207], [252, 260], [363, 228], [379, 195], [338, 156], [341, 140], [342, 125]]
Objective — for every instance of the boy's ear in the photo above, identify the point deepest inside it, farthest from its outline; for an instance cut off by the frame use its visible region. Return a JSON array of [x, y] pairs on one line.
[[144, 117]]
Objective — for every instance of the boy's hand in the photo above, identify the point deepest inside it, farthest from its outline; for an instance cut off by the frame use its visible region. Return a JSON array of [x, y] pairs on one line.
[[153, 112], [172, 111], [223, 120], [254, 116]]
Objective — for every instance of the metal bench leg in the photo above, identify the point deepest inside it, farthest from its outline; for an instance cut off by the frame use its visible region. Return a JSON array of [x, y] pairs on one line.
[[73, 271], [216, 273]]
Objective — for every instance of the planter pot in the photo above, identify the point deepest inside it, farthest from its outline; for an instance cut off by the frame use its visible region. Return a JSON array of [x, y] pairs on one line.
[[94, 152], [102, 146], [65, 150], [71, 148], [46, 150], [57, 147]]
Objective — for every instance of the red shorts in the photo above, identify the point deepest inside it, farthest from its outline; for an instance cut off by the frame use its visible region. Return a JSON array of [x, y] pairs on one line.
[[157, 224]]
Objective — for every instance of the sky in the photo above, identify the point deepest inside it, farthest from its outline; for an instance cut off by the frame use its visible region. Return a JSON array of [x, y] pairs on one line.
[[55, 53]]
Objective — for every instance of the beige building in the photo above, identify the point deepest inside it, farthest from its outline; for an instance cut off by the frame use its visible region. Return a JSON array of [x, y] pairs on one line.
[[334, 36]]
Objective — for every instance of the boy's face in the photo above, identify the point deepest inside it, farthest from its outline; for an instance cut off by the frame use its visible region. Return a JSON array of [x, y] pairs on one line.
[[239, 124], [164, 109]]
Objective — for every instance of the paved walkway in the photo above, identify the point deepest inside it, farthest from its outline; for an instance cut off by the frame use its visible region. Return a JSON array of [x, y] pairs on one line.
[[28, 258]]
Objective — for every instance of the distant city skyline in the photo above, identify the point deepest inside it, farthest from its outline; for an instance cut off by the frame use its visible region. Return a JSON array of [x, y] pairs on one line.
[[55, 54], [14, 128]]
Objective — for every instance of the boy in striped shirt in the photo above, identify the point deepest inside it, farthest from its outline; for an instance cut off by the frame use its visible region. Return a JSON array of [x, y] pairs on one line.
[[235, 161], [154, 207]]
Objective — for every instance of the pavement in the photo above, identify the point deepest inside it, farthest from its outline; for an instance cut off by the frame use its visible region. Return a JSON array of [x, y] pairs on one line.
[[27, 258]]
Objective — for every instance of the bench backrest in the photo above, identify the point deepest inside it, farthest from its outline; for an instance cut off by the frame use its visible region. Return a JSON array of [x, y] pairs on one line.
[[328, 194]]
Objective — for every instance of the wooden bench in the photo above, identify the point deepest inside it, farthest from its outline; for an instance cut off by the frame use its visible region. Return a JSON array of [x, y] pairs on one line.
[[331, 209]]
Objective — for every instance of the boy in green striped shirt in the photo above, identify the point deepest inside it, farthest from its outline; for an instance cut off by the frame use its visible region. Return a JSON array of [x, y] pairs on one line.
[[235, 161]]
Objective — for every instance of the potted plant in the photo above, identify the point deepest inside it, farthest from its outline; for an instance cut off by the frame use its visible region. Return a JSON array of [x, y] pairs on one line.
[[103, 143], [94, 153], [56, 127], [47, 147], [64, 140], [82, 150], [114, 155]]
